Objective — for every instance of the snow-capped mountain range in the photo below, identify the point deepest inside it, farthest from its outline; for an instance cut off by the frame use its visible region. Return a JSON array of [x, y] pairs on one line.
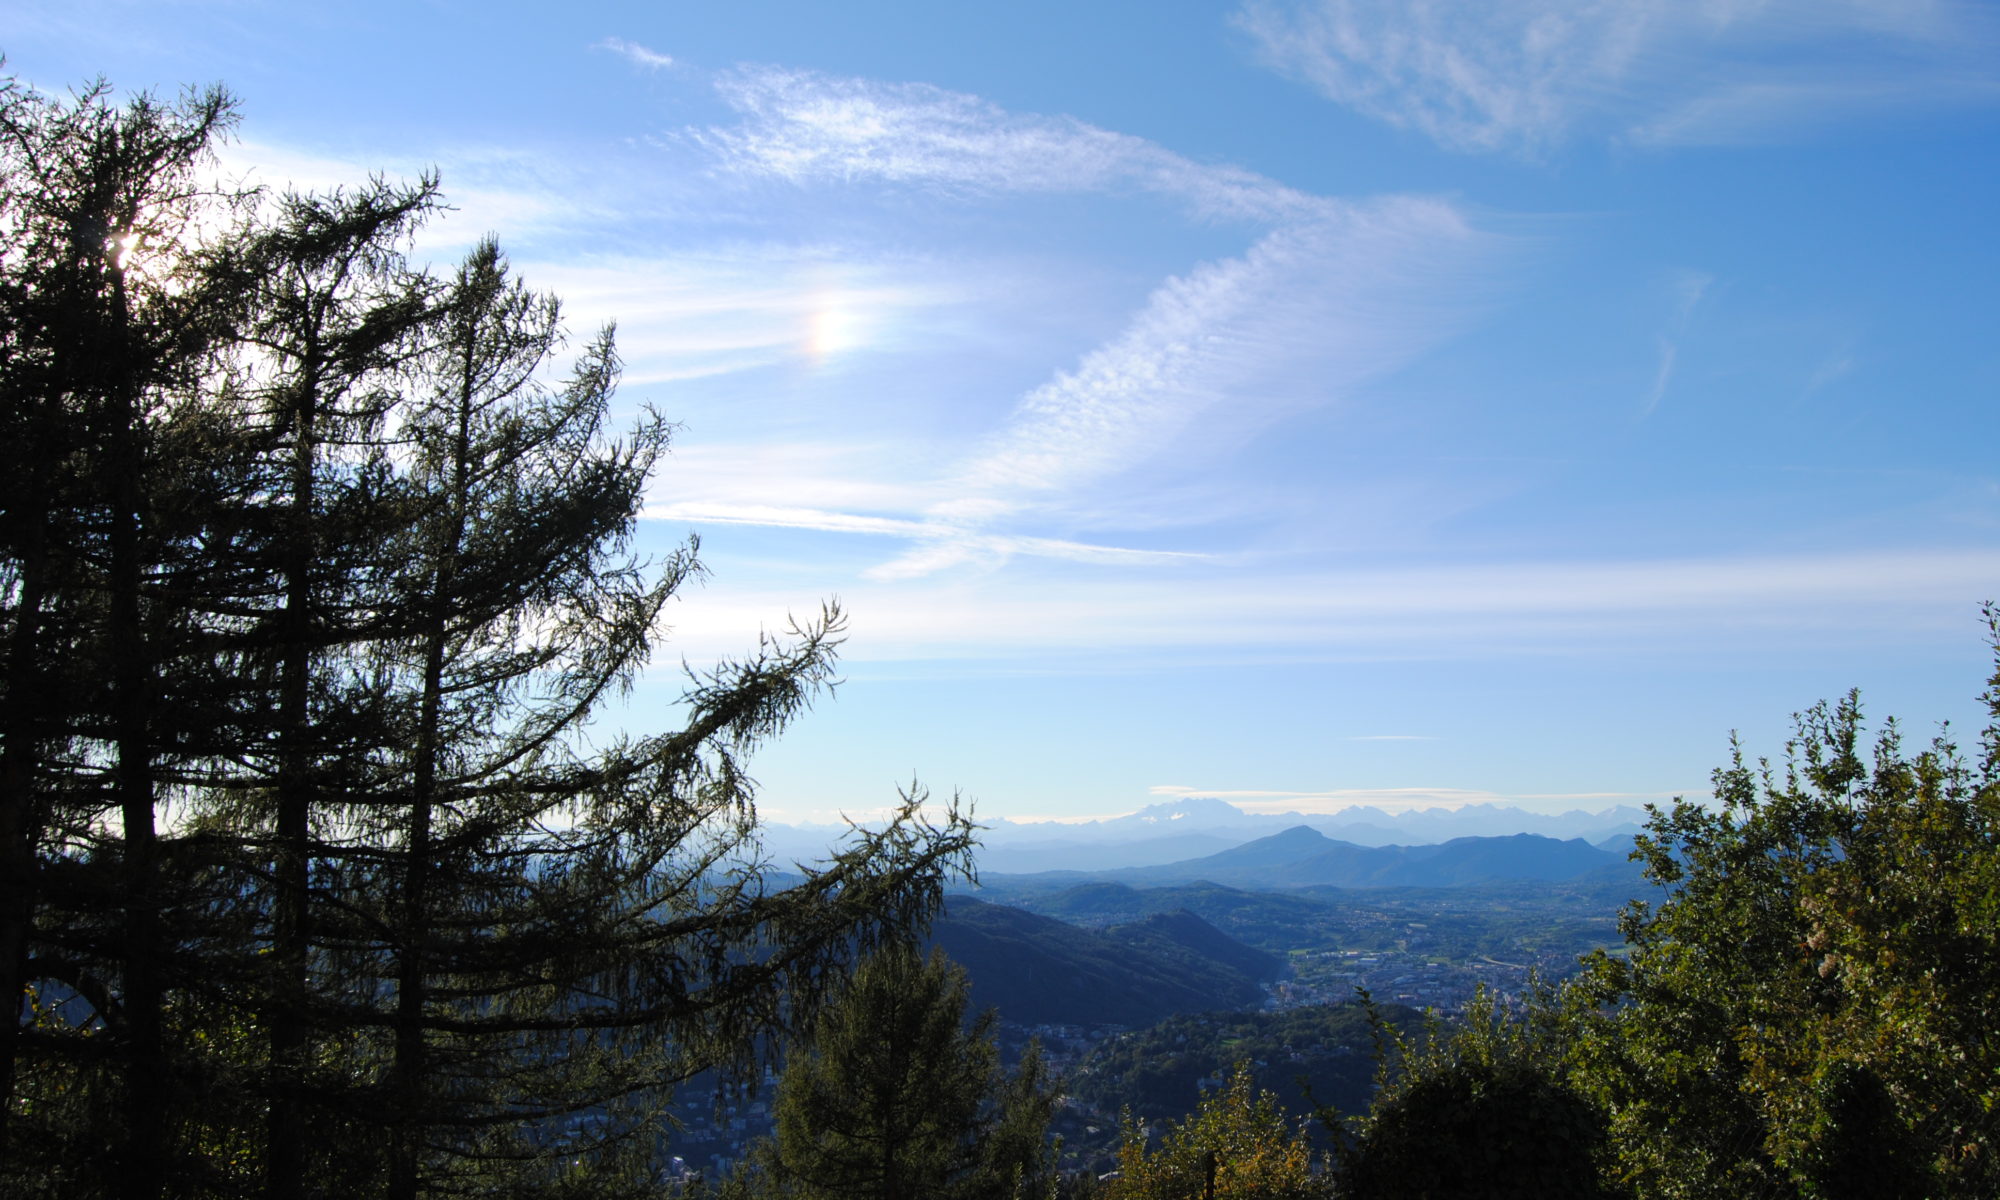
[[1194, 826]]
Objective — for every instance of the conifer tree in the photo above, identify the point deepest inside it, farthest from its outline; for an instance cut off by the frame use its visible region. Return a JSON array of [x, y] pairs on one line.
[[479, 924], [332, 315], [314, 884], [503, 486], [897, 1097], [111, 310]]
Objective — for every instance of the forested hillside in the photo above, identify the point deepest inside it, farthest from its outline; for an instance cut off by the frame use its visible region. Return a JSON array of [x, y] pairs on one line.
[[1307, 1057], [1035, 970]]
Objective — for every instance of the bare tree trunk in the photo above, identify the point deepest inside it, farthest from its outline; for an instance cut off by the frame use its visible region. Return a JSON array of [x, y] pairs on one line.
[[145, 1084], [412, 1061], [19, 831], [291, 933]]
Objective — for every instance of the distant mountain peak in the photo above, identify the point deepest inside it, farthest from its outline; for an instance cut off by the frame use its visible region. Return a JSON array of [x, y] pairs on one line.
[[1189, 810]]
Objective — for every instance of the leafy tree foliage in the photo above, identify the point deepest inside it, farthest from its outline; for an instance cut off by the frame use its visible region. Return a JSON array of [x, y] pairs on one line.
[[1480, 1110], [311, 581], [1237, 1146], [1804, 1010], [1808, 1008], [896, 1097]]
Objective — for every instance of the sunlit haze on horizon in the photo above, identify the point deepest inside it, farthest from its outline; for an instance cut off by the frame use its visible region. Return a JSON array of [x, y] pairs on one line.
[[1301, 403]]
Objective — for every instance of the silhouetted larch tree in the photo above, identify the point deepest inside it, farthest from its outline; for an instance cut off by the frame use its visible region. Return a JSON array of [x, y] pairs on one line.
[[112, 309], [312, 584]]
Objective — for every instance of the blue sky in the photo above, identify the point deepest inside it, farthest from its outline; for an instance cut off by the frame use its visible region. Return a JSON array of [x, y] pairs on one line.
[[1299, 401]]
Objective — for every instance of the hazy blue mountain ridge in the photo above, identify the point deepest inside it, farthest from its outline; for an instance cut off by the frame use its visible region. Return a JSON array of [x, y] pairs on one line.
[[1196, 827], [1304, 857]]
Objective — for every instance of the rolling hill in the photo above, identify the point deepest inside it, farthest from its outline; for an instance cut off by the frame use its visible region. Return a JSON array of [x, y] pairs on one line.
[[1038, 970]]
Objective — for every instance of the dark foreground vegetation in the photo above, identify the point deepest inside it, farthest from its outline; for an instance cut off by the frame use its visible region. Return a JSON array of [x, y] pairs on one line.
[[316, 881]]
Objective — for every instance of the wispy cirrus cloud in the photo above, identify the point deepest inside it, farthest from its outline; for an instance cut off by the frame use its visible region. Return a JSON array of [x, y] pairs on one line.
[[1397, 800], [945, 544], [1221, 349], [1636, 607], [1688, 287], [485, 188], [788, 474], [732, 307], [807, 127], [636, 54], [1758, 112], [1333, 291], [1353, 292], [1333, 800], [1525, 76]]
